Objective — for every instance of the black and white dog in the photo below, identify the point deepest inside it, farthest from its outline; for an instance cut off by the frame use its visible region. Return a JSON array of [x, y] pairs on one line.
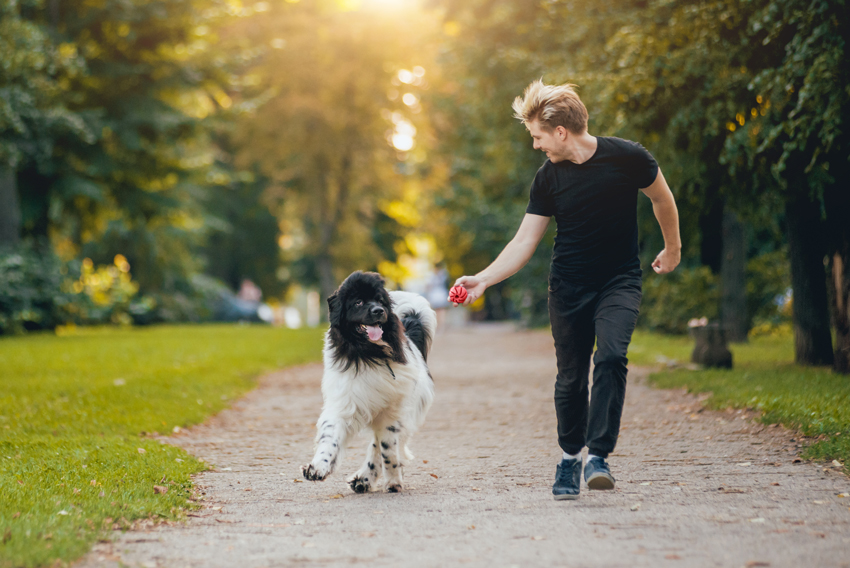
[[375, 377]]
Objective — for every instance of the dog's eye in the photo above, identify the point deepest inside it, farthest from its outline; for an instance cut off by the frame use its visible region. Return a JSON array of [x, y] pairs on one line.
[[358, 303]]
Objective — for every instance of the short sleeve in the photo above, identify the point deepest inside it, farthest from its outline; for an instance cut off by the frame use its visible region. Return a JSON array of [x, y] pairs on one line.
[[644, 167], [540, 201]]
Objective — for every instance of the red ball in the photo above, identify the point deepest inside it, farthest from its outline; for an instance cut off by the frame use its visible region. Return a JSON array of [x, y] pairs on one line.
[[457, 295]]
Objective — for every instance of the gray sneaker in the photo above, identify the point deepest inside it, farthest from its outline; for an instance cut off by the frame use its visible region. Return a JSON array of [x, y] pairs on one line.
[[567, 480], [597, 474]]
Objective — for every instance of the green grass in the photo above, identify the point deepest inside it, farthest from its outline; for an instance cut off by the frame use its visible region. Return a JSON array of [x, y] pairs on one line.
[[76, 413], [813, 400]]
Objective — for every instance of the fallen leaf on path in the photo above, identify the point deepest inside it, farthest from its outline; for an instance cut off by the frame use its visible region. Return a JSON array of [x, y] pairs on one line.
[[367, 534], [820, 502], [337, 496], [635, 507], [744, 464], [757, 520], [159, 489], [434, 475], [775, 483], [297, 481], [840, 495], [646, 483], [476, 489], [836, 463], [224, 521], [424, 461], [471, 527], [818, 534], [754, 563], [537, 538], [673, 557]]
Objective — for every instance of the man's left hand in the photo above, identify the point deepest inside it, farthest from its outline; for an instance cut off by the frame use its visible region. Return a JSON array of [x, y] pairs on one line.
[[666, 261]]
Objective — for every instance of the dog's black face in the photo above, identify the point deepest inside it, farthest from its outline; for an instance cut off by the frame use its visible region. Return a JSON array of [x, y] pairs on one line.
[[364, 328]]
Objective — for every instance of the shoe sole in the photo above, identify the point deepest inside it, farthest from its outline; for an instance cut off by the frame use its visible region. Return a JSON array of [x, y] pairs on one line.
[[566, 497], [600, 481]]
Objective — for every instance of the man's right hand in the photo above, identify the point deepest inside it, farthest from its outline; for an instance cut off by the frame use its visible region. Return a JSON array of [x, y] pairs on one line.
[[474, 288]]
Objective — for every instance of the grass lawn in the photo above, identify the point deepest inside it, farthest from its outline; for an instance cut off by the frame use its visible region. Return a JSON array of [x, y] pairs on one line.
[[74, 410], [812, 399]]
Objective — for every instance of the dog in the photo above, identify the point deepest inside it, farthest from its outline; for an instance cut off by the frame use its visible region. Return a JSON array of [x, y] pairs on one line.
[[376, 377]]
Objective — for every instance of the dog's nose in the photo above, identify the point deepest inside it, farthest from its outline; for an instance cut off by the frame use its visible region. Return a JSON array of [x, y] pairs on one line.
[[377, 310]]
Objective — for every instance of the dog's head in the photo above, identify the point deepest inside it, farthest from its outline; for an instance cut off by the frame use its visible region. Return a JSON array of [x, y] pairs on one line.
[[362, 305], [363, 325]]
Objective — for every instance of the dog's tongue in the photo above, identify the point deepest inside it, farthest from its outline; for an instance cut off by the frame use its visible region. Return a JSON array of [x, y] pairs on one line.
[[374, 332]]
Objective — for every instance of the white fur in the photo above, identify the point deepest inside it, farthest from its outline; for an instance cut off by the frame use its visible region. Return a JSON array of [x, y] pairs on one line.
[[390, 399]]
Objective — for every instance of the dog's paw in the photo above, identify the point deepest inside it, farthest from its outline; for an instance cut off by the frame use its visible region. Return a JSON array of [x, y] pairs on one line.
[[312, 473], [394, 487], [359, 484]]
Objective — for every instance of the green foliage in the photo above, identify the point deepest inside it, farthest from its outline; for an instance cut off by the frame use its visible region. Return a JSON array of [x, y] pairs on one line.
[[768, 279], [75, 409], [670, 301], [31, 291], [764, 378]]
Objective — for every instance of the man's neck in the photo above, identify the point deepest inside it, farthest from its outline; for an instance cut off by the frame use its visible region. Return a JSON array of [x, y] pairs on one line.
[[579, 148]]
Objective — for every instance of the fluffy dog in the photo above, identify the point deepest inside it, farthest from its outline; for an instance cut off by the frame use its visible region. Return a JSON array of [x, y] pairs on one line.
[[375, 377]]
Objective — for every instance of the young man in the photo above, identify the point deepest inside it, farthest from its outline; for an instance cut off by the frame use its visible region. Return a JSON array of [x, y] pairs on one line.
[[590, 185]]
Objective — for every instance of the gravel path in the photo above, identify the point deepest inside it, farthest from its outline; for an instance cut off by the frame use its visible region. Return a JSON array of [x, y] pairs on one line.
[[695, 488]]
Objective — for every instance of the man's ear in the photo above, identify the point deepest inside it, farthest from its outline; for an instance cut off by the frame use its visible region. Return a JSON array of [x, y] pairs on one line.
[[561, 132], [334, 310]]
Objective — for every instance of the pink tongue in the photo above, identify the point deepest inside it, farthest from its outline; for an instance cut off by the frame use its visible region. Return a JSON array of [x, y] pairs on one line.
[[374, 332]]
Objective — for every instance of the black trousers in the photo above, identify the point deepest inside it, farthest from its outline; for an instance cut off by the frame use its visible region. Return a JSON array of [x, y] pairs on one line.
[[606, 313]]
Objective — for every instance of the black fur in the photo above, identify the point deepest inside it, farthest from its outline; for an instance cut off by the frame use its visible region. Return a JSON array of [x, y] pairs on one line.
[[416, 332], [351, 346]]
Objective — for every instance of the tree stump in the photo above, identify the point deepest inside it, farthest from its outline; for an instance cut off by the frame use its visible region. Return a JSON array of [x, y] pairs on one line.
[[710, 348]]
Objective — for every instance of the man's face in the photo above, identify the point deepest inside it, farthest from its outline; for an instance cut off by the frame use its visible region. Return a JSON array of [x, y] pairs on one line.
[[552, 142]]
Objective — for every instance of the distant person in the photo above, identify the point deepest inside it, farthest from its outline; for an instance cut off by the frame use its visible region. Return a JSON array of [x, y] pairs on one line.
[[249, 291], [437, 293], [590, 185]]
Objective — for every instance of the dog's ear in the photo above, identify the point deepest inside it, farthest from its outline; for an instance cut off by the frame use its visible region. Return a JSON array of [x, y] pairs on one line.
[[334, 309]]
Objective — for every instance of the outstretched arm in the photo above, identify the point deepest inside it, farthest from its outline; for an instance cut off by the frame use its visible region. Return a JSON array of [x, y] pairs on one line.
[[664, 207], [515, 255]]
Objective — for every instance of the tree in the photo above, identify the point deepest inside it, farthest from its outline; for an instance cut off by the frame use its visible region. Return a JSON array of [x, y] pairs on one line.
[[32, 112], [336, 131]]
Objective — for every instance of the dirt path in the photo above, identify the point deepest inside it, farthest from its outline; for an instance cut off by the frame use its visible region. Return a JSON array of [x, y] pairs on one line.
[[695, 488]]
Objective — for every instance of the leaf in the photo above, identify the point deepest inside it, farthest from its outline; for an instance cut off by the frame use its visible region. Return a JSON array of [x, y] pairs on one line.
[[635, 507], [141, 450], [434, 475], [160, 489], [337, 496]]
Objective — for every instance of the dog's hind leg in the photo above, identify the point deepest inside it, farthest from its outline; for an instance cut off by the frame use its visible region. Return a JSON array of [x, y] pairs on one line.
[[331, 438], [367, 476], [390, 456]]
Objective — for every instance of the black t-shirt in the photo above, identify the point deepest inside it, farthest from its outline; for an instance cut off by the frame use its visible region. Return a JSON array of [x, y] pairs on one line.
[[595, 207]]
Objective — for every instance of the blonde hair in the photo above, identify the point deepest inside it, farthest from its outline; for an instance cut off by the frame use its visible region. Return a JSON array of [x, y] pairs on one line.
[[552, 106]]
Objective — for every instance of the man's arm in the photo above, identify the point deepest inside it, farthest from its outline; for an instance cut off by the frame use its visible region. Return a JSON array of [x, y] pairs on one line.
[[664, 207], [515, 255]]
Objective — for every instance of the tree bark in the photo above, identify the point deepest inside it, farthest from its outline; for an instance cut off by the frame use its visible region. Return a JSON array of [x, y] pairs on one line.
[[711, 231], [807, 249], [837, 201], [10, 208], [733, 303]]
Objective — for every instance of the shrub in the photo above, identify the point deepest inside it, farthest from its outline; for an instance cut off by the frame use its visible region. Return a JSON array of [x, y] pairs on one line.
[[671, 300], [31, 294]]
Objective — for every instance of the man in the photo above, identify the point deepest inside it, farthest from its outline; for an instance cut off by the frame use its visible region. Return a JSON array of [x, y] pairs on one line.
[[590, 185]]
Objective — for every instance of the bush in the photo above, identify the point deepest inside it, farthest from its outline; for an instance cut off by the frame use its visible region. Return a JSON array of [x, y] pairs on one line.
[[671, 300], [31, 293], [768, 285]]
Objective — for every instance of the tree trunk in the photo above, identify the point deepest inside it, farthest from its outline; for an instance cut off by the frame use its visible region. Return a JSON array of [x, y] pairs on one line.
[[806, 247], [837, 201], [711, 231], [10, 208], [733, 303]]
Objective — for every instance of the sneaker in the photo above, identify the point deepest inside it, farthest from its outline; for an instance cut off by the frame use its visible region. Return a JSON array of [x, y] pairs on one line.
[[567, 480], [597, 475]]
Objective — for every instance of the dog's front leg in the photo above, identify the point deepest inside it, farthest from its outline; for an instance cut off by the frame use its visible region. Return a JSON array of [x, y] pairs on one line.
[[331, 437], [391, 457]]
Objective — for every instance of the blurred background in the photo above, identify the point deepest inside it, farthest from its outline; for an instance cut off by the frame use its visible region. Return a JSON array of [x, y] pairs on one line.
[[200, 160]]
